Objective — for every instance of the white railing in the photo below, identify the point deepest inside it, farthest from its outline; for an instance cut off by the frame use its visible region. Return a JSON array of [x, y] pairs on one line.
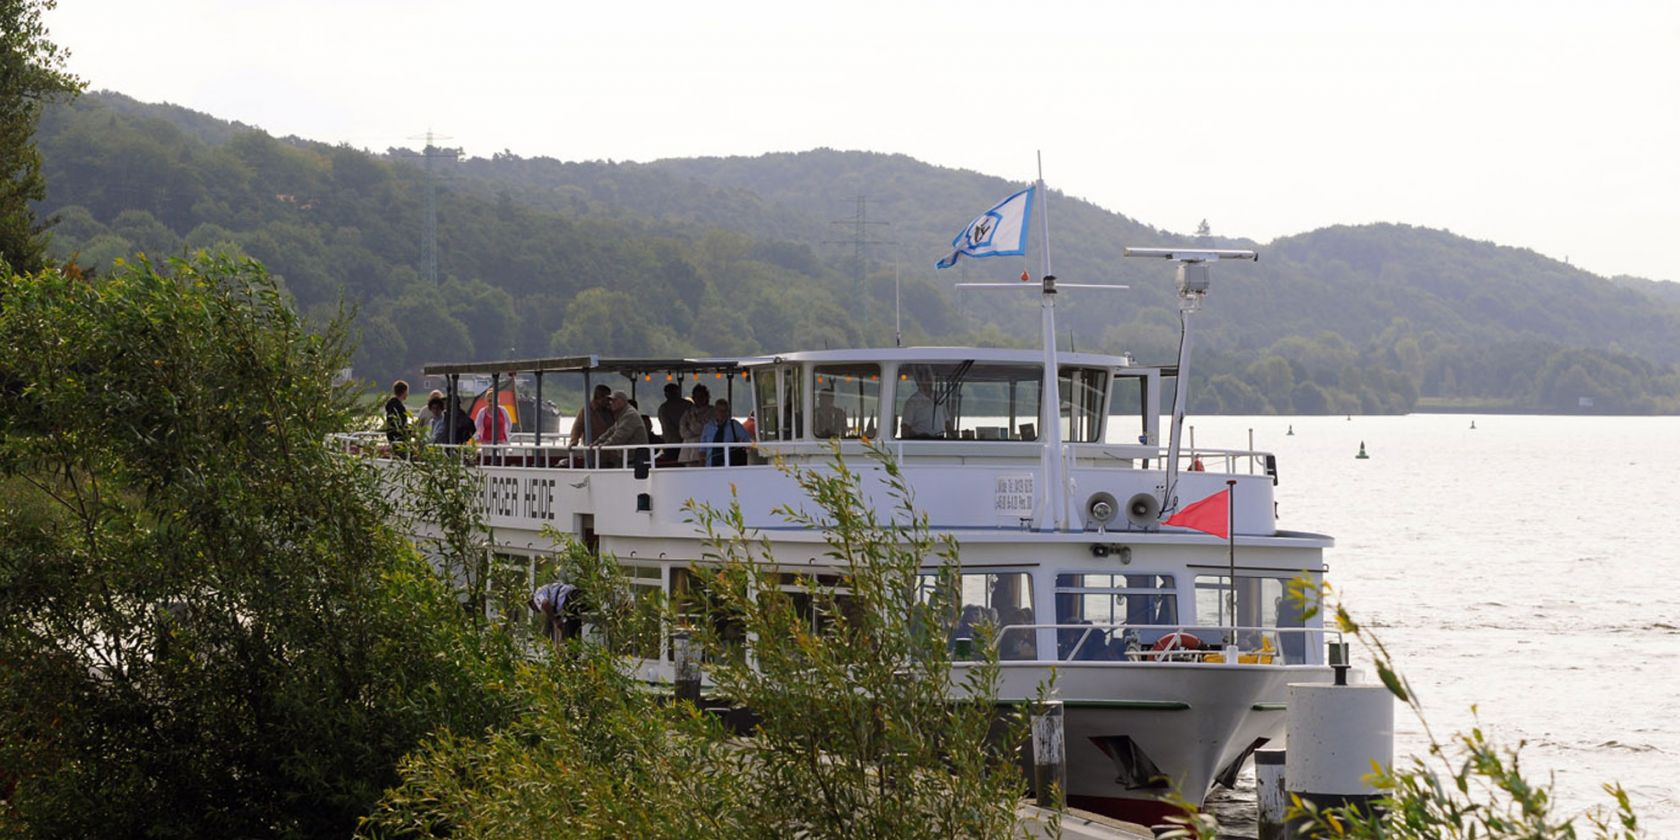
[[1228, 461], [522, 451], [1158, 643]]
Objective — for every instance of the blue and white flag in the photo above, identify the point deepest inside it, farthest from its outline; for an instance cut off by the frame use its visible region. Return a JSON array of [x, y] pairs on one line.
[[998, 232]]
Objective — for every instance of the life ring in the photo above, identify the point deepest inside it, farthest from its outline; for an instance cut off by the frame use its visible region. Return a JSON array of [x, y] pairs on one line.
[[1196, 465], [1177, 646]]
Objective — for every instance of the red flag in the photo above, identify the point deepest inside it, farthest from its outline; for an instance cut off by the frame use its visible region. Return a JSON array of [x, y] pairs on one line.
[[1210, 515]]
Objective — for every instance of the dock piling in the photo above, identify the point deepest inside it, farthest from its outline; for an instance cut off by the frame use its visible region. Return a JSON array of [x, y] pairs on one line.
[[1271, 798], [685, 654], [1049, 754]]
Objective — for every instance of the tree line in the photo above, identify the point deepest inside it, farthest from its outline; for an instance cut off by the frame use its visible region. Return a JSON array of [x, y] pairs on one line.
[[754, 255]]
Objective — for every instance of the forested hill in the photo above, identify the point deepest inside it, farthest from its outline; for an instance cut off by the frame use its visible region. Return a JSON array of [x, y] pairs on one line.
[[739, 255]]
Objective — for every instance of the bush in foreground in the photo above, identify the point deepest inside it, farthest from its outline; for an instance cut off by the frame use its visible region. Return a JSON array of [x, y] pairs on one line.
[[844, 664], [206, 625]]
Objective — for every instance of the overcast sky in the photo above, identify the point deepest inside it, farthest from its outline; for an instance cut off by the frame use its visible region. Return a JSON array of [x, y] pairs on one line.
[[1548, 125]]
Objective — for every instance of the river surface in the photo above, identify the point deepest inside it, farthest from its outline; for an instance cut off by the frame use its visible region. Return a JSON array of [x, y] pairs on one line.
[[1528, 568]]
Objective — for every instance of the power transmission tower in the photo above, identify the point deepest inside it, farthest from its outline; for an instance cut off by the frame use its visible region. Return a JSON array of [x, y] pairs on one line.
[[428, 240], [860, 242]]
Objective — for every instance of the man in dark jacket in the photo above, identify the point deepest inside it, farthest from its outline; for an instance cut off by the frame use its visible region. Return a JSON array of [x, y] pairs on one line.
[[671, 413], [396, 413]]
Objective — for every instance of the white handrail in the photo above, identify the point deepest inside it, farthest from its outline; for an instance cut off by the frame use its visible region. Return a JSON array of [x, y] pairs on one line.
[[1226, 637]]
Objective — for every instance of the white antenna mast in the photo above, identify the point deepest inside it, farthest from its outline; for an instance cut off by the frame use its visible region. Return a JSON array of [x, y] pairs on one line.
[[1050, 413], [898, 312], [1192, 287]]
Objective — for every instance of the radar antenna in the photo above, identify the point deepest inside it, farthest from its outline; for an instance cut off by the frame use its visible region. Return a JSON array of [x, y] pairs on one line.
[[1193, 280]]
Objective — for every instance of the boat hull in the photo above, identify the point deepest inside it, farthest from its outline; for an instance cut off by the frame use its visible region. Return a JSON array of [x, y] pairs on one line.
[[1138, 733]]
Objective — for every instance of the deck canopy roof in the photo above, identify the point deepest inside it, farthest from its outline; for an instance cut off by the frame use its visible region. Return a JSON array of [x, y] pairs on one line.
[[582, 364]]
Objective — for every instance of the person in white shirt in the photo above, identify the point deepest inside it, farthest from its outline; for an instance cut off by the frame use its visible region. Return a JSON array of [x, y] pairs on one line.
[[922, 417]]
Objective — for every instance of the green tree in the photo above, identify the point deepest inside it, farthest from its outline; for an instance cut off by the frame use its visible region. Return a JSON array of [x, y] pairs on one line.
[[31, 74], [208, 627], [861, 726], [861, 736]]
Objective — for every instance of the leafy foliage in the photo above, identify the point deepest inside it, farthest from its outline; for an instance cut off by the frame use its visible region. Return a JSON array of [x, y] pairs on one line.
[[591, 754], [207, 626], [853, 679], [31, 74], [857, 731]]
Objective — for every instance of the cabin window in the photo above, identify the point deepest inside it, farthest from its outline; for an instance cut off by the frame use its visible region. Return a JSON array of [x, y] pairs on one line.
[[647, 593], [967, 401], [1262, 602], [848, 399], [778, 412], [819, 600], [1111, 603], [1084, 393], [694, 601], [1129, 399], [512, 578], [1002, 600]]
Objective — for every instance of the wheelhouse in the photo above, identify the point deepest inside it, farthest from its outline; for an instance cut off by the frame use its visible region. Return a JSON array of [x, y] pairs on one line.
[[949, 394]]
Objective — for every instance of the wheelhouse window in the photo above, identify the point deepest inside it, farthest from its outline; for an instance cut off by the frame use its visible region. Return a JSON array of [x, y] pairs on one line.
[[1000, 600], [1113, 605], [967, 401], [1130, 394], [1084, 394], [848, 401], [778, 411], [1261, 603]]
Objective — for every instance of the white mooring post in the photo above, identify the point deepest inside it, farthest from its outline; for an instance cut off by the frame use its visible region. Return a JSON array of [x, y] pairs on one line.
[[1049, 755], [1336, 732], [685, 654]]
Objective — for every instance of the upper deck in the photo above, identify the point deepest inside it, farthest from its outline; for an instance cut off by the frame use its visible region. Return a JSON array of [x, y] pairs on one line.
[[967, 425]]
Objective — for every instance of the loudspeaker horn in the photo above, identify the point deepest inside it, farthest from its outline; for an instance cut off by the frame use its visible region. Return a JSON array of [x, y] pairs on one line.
[[1101, 509], [1143, 510]]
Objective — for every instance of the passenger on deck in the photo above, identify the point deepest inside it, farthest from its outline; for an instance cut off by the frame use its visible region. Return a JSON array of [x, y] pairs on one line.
[[600, 419], [722, 429], [427, 422], [456, 428], [671, 413], [653, 436], [1021, 642], [396, 412], [965, 635], [923, 418], [830, 419], [693, 425], [493, 424], [627, 429]]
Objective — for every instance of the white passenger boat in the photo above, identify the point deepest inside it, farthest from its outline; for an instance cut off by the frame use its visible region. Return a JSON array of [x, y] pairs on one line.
[[1172, 648]]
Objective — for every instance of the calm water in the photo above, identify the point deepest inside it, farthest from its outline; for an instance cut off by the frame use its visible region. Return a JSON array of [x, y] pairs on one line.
[[1529, 568]]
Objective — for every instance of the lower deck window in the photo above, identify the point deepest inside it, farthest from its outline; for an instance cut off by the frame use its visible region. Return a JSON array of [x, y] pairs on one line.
[[1115, 607], [696, 604], [1002, 601], [1261, 604], [821, 601]]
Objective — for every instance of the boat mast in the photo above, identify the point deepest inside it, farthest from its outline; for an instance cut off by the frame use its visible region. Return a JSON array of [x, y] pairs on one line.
[[1050, 421], [1192, 288]]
